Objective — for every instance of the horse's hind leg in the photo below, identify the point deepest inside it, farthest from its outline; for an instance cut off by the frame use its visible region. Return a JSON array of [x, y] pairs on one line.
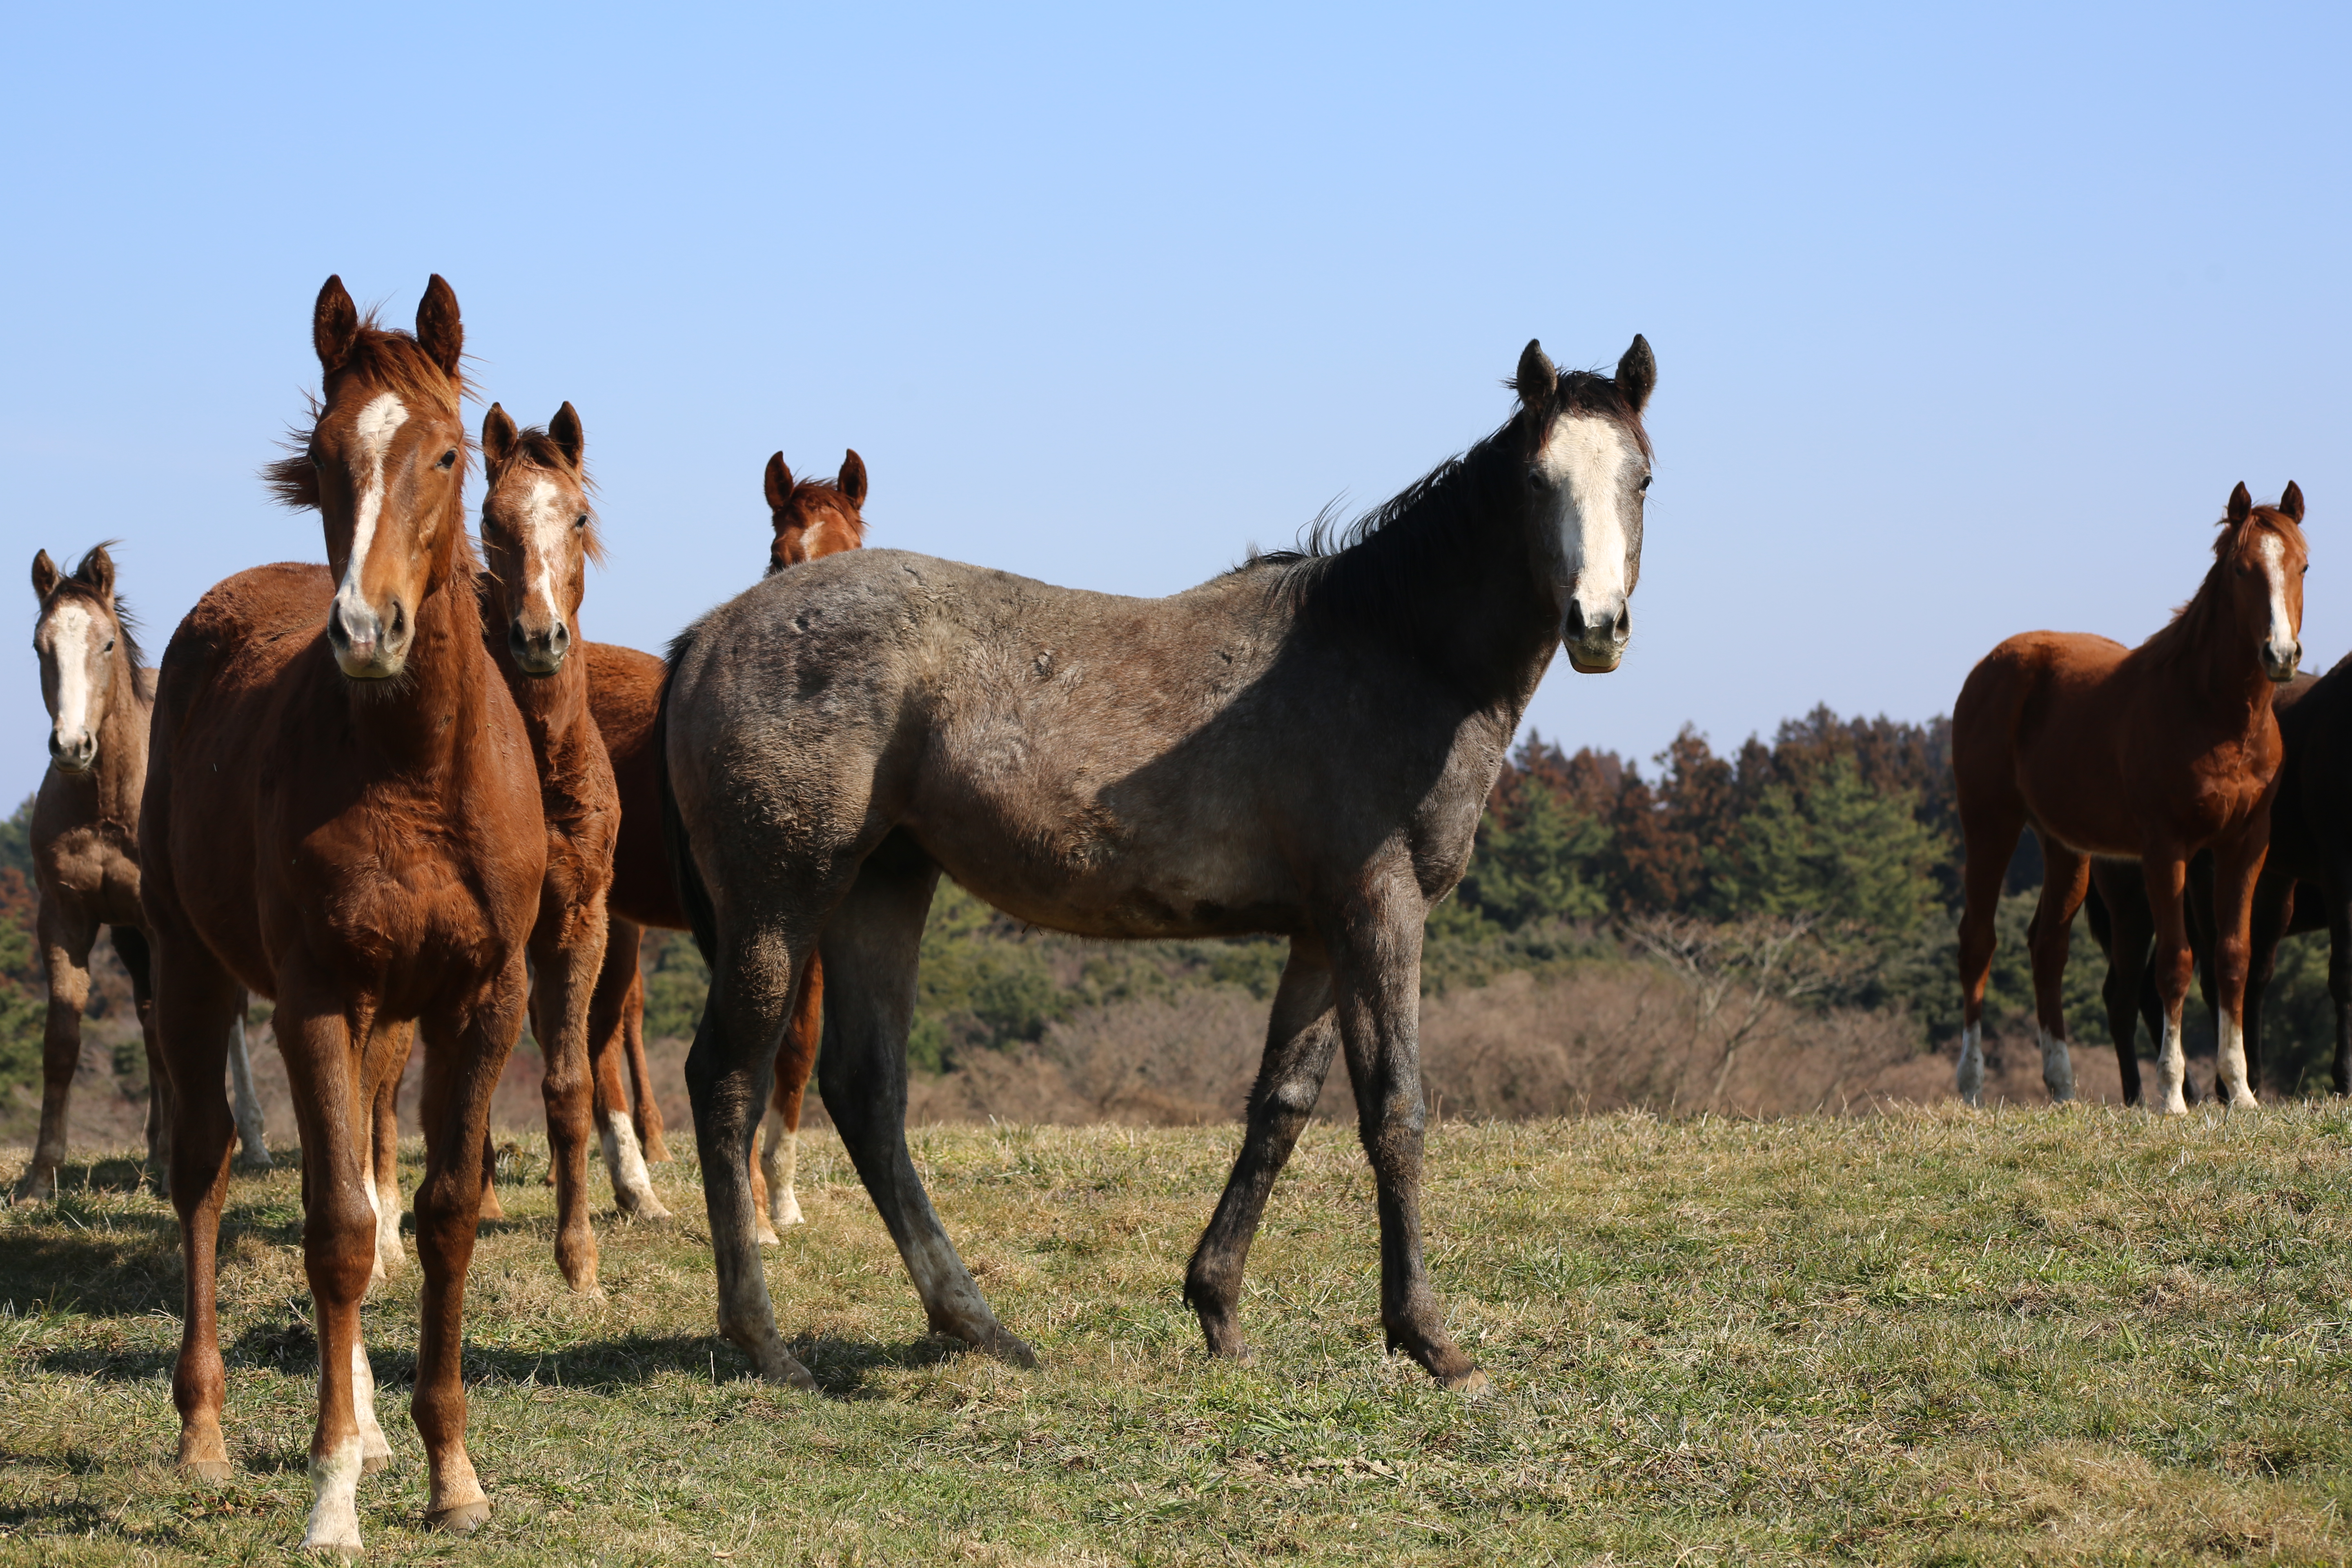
[[727, 1075], [252, 1136], [194, 997], [871, 946], [779, 1149], [65, 938], [615, 1008], [2274, 907], [2166, 877], [2130, 927], [383, 1161], [2237, 865], [2066, 876], [1990, 834], [1377, 983], [130, 946], [648, 1112], [1300, 1037]]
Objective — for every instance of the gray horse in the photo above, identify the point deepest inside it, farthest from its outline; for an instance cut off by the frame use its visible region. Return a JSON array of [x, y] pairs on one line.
[[1300, 747]]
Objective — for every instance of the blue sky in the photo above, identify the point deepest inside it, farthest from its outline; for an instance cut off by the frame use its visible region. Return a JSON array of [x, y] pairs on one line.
[[1966, 320]]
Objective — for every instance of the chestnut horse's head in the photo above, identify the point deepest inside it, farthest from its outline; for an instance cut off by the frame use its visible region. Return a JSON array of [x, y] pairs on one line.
[[385, 462], [2263, 546], [814, 517], [537, 532], [84, 639], [1587, 470]]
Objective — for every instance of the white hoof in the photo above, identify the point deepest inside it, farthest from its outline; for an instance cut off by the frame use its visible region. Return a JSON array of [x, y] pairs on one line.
[[334, 1524]]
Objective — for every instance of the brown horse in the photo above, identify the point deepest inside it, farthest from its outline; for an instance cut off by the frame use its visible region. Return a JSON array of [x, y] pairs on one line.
[[538, 535], [2150, 753], [85, 843], [342, 813], [810, 519]]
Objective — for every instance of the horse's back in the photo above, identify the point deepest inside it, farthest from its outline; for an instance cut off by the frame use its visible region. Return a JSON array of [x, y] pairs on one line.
[[624, 695]]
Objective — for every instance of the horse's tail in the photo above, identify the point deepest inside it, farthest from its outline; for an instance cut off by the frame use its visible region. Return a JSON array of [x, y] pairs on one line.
[[693, 895]]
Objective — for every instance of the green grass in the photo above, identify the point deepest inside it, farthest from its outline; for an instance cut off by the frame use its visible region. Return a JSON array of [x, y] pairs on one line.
[[1933, 1337]]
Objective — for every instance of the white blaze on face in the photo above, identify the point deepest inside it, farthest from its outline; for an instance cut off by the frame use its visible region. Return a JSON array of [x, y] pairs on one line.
[[374, 428], [2282, 629], [546, 526], [72, 630], [1586, 459]]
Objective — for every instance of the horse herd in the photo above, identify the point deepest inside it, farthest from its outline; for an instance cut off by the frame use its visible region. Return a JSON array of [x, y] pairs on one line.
[[402, 797]]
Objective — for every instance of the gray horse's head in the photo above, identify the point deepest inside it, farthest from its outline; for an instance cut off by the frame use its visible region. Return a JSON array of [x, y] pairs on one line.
[[1587, 467]]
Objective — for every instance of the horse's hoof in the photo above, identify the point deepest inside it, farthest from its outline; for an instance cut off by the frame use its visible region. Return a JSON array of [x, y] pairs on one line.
[[462, 1520], [254, 1164], [767, 1238], [1472, 1383], [786, 1372], [371, 1464], [1007, 1348], [211, 1470]]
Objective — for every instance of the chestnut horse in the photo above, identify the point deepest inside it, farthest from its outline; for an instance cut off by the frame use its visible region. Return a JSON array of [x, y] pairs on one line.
[[1299, 747], [538, 536], [342, 813], [85, 844], [2149, 754], [810, 519]]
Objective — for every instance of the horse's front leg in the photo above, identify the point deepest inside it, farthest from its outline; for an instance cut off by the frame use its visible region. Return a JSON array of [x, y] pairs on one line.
[[2165, 874], [2237, 867], [464, 1054], [66, 937], [1300, 1037], [332, 1100], [567, 948], [1376, 966]]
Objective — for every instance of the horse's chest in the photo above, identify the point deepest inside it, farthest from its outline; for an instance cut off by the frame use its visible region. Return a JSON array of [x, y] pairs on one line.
[[96, 868]]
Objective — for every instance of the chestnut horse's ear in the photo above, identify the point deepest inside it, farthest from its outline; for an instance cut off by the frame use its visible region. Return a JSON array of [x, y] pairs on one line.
[[2290, 500], [1537, 378], [564, 429], [1637, 374], [335, 325], [97, 571], [853, 476], [439, 329], [498, 435], [2242, 503], [779, 483], [45, 575]]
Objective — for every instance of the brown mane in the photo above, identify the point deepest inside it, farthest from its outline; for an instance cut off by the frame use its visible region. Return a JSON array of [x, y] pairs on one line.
[[394, 361]]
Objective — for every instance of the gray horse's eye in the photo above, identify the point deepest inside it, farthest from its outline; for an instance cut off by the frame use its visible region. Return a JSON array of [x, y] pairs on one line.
[[1645, 482], [109, 648]]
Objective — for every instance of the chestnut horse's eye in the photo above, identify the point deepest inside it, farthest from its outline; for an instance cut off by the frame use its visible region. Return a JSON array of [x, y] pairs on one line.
[[449, 458], [109, 648], [580, 522]]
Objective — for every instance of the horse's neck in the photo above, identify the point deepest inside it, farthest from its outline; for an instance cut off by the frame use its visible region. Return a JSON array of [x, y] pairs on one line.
[[554, 708], [121, 772], [2221, 668], [435, 703]]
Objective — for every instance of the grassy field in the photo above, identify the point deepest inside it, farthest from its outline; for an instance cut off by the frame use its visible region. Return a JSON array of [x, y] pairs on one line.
[[2078, 1335]]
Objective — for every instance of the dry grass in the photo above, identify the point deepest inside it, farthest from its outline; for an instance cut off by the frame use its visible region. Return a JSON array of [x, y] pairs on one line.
[[1926, 1336]]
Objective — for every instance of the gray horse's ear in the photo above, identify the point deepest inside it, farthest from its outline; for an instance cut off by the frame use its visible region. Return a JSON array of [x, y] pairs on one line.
[[96, 572], [45, 575], [1637, 374], [1538, 379], [564, 430], [2242, 503], [335, 325], [779, 483], [498, 435], [853, 476], [2290, 500], [438, 329]]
